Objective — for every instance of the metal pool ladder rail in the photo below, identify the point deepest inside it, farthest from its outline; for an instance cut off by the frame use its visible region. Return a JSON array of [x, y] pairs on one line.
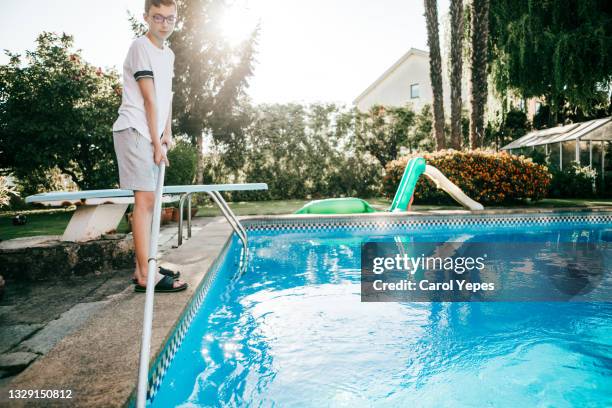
[[231, 218], [225, 210], [214, 192]]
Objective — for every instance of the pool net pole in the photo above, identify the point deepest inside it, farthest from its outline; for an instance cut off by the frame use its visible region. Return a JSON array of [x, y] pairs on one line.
[[145, 351]]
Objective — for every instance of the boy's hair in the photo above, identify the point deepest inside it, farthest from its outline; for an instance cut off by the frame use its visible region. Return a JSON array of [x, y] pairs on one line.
[[158, 3]]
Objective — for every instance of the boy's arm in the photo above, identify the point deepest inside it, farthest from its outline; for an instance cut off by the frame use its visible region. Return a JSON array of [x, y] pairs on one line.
[[147, 89]]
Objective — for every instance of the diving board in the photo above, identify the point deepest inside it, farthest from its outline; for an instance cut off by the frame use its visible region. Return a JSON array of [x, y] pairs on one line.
[[100, 211]]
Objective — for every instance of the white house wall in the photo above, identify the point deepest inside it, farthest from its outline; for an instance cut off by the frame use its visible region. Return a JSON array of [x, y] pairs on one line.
[[394, 88]]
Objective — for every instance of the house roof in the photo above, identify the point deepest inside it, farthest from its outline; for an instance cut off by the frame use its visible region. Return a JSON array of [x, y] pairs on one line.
[[597, 129], [411, 52]]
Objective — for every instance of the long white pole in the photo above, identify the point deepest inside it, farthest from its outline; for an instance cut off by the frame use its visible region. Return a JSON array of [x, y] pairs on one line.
[[145, 351]]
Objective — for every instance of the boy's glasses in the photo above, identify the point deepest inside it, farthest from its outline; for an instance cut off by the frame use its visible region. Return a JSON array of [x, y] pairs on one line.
[[159, 19]]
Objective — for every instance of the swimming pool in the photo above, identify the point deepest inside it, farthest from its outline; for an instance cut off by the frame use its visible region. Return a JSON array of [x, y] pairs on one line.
[[290, 328]]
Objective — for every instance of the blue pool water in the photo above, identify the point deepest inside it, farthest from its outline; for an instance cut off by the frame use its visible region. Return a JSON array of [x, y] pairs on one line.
[[291, 331]]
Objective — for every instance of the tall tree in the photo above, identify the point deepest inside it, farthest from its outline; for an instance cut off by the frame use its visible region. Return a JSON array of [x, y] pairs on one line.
[[456, 58], [558, 50], [435, 70], [210, 74], [479, 87], [232, 113]]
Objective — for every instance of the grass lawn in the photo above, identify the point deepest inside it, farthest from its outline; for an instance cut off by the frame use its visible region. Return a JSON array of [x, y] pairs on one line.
[[53, 222], [40, 222]]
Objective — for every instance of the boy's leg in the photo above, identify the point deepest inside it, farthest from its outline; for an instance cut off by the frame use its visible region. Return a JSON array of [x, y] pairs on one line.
[[141, 229]]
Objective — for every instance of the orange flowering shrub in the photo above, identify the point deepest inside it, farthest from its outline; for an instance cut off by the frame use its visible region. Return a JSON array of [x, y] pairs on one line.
[[487, 177]]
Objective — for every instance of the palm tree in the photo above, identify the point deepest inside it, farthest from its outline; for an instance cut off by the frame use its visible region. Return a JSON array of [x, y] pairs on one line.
[[435, 70], [480, 34], [456, 14]]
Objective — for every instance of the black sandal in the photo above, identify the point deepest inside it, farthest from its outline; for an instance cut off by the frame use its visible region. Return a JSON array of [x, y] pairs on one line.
[[166, 284], [165, 272]]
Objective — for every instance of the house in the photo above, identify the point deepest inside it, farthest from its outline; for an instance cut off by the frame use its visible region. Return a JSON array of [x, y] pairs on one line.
[[406, 81]]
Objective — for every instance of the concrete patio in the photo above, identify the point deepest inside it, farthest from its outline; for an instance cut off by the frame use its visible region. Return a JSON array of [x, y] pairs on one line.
[[90, 327]]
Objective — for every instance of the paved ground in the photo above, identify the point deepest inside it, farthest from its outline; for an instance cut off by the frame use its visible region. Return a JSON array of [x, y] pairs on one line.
[[35, 316]]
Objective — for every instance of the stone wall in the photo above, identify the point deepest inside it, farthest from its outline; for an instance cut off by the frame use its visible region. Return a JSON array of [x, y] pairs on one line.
[[46, 257]]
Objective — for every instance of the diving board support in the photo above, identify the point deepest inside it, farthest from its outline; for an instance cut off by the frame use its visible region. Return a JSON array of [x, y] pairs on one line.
[[231, 218], [91, 221]]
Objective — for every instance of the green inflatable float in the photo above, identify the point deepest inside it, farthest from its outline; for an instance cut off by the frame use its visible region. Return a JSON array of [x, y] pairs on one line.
[[414, 169]]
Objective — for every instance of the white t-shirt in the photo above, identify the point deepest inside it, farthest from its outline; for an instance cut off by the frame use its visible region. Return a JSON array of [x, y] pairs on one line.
[[145, 60]]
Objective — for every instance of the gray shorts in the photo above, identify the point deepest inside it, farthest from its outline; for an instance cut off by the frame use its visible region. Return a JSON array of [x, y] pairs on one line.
[[137, 170]]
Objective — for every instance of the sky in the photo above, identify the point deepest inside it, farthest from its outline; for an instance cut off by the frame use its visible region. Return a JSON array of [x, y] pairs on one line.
[[308, 50]]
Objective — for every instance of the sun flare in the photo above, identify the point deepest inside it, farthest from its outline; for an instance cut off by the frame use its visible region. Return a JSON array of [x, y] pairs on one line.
[[238, 22]]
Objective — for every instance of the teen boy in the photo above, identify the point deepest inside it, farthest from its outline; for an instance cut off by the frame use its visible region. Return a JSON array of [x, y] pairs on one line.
[[143, 127]]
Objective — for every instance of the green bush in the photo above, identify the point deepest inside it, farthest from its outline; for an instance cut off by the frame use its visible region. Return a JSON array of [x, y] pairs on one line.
[[183, 161], [301, 152], [487, 177], [574, 181], [355, 176]]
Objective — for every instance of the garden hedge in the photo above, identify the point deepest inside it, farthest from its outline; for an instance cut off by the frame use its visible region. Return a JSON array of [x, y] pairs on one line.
[[183, 162], [574, 181], [487, 177]]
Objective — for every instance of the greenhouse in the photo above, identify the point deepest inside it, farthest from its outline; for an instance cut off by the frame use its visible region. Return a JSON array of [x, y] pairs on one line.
[[586, 143]]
